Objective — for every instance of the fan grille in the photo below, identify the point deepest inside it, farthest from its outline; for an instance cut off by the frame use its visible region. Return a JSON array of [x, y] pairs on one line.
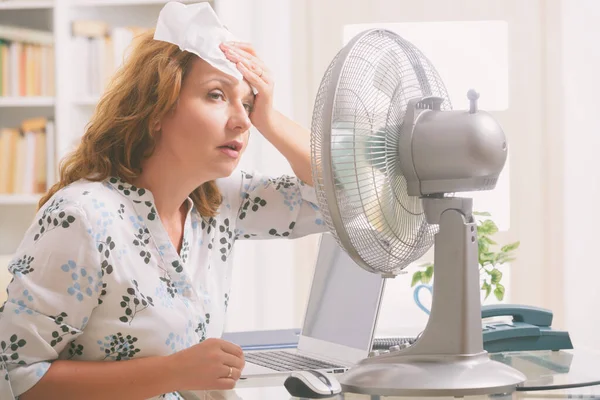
[[359, 109]]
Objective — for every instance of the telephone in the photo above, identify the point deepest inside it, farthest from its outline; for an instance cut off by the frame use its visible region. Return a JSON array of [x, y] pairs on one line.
[[530, 329]]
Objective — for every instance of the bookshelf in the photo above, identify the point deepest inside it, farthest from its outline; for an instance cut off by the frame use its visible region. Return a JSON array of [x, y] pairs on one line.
[[107, 3], [25, 4], [26, 101], [67, 107], [19, 199]]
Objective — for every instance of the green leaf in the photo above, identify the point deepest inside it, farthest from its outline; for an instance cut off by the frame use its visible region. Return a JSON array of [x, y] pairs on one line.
[[502, 258], [488, 227], [488, 289], [496, 276], [499, 292], [487, 240], [486, 258], [427, 274], [482, 244], [13, 338], [416, 278], [510, 247], [482, 213]]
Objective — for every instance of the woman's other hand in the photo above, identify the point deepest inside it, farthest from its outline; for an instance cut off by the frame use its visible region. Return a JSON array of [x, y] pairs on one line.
[[258, 76], [289, 138], [213, 364]]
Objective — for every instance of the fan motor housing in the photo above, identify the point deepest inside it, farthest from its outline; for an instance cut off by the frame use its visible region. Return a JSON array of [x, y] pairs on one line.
[[455, 151]]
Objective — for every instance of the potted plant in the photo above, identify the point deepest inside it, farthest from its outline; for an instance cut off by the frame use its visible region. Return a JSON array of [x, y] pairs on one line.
[[490, 259]]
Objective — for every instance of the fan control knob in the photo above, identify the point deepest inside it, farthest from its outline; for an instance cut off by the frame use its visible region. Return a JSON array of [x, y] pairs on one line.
[[473, 96], [395, 348]]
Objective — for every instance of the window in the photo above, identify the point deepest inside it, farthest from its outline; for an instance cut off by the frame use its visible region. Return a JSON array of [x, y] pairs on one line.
[[466, 54]]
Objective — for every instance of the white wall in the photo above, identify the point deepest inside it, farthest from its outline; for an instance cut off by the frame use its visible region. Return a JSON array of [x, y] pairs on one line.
[[581, 130]]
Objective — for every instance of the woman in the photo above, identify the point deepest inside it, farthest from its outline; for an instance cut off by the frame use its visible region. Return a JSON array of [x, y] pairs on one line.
[[129, 256]]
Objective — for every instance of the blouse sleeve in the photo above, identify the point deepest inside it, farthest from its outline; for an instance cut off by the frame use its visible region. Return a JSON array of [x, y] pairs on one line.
[[267, 207], [57, 280]]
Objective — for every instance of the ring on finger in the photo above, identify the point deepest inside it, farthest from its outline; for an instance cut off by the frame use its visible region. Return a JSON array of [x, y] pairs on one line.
[[230, 372]]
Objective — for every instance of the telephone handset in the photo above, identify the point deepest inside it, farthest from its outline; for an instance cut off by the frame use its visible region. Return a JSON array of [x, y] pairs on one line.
[[520, 313], [530, 329]]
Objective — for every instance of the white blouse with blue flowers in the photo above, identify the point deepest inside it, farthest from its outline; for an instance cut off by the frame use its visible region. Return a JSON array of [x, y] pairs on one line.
[[97, 278]]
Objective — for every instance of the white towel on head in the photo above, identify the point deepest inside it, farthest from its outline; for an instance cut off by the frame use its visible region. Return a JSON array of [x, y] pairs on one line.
[[197, 29]]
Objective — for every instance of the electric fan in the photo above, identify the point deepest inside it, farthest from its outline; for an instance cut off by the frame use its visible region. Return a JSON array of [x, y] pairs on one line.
[[387, 154]]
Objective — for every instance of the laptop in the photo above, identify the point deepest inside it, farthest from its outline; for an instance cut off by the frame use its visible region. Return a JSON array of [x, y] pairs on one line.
[[339, 322]]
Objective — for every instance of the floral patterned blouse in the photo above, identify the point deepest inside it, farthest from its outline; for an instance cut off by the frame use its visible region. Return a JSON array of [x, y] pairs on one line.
[[97, 278]]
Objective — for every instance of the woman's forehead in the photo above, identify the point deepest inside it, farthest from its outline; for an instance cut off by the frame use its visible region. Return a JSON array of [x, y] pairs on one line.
[[202, 71]]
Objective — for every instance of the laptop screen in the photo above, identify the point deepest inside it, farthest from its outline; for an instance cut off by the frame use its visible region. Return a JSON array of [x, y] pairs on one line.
[[344, 299]]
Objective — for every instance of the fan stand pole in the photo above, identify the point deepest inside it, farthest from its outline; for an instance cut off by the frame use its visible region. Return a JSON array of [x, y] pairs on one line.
[[448, 359]]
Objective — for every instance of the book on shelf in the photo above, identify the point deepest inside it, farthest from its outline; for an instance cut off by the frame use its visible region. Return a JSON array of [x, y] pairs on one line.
[[101, 50], [26, 157], [26, 62]]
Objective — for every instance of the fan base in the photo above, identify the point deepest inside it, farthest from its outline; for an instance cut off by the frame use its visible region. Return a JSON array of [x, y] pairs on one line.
[[397, 375]]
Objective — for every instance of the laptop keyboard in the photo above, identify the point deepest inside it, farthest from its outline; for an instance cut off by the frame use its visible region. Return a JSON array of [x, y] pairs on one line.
[[286, 361]]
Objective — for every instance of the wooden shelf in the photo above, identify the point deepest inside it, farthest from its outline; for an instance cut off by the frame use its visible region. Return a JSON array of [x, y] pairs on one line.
[[87, 101], [26, 101], [25, 4], [99, 3], [19, 199]]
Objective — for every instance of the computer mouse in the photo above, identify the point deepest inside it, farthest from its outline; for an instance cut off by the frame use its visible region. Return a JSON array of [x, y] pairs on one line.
[[312, 384]]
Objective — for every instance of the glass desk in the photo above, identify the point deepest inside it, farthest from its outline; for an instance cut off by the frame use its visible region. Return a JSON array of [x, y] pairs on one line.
[[571, 374], [554, 369]]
